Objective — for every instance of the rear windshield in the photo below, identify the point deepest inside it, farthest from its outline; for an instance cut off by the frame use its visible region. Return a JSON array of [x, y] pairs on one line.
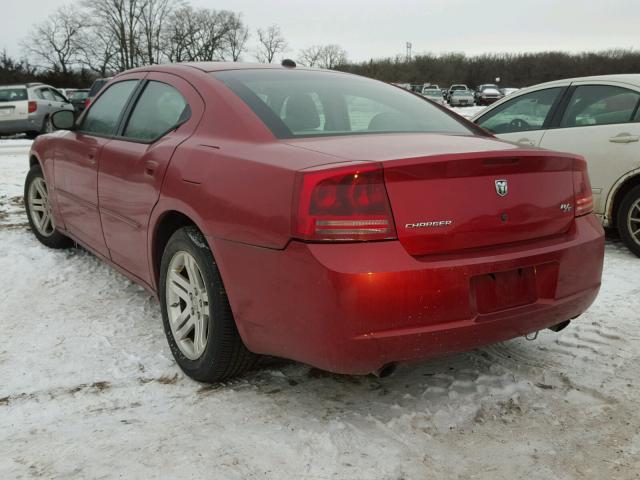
[[79, 95], [302, 103], [13, 94]]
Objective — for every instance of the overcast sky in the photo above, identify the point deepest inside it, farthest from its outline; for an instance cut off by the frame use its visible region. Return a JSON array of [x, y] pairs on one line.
[[378, 28]]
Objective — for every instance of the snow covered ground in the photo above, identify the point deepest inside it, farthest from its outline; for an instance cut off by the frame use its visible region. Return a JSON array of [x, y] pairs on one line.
[[88, 389]]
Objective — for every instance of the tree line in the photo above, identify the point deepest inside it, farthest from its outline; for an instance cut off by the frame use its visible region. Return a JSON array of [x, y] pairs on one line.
[[513, 69]]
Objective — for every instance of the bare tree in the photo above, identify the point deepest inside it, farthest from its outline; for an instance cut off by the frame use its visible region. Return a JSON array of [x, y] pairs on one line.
[[53, 41], [236, 37], [309, 57], [332, 56], [97, 48], [155, 15], [270, 43], [123, 19], [198, 34]]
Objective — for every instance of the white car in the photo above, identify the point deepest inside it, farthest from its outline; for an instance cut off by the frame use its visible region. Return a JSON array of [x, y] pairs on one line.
[[596, 117]]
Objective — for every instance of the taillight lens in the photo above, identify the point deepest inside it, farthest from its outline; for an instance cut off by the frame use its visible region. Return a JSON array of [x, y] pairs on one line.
[[87, 102], [582, 188], [343, 204], [33, 106]]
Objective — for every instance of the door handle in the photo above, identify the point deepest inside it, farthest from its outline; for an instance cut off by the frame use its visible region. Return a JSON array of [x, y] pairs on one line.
[[150, 167], [527, 142], [624, 138]]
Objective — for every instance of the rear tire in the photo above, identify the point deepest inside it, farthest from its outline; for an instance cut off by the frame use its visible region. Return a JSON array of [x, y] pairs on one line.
[[40, 212], [628, 220], [196, 314]]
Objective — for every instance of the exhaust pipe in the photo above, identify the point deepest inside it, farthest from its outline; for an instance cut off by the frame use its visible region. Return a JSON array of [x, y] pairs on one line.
[[560, 326], [385, 370]]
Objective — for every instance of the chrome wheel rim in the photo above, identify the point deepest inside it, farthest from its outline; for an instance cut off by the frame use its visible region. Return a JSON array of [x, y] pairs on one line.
[[187, 305], [633, 221], [40, 208]]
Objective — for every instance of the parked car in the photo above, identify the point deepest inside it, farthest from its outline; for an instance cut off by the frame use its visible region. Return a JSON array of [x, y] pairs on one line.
[[78, 99], [348, 228], [435, 95], [508, 91], [453, 88], [597, 117], [27, 108], [487, 94], [96, 86], [462, 98]]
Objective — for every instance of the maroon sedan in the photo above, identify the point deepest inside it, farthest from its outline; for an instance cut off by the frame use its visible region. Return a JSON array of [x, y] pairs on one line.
[[315, 215]]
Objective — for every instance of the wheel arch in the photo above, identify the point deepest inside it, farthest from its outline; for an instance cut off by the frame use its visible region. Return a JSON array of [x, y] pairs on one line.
[[624, 185]]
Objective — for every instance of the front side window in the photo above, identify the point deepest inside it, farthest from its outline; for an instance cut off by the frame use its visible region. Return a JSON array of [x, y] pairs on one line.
[[599, 105], [521, 114], [103, 115], [306, 103], [159, 109], [47, 95]]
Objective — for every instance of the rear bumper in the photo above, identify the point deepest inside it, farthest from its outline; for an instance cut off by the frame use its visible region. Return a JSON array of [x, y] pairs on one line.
[[19, 126], [352, 308]]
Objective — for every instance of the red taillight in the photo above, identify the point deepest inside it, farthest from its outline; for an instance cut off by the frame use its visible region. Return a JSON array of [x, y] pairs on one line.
[[343, 204], [582, 188], [87, 102], [33, 106]]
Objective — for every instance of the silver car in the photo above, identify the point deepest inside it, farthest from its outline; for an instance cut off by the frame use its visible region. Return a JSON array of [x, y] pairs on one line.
[[462, 98], [27, 108]]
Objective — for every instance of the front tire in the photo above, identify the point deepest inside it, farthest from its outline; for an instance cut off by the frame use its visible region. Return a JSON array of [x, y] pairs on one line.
[[196, 314], [40, 211], [628, 220]]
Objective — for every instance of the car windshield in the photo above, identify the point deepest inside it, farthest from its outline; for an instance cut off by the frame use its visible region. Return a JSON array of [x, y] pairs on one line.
[[458, 87], [79, 95], [487, 87], [461, 93], [433, 93], [13, 94], [306, 103]]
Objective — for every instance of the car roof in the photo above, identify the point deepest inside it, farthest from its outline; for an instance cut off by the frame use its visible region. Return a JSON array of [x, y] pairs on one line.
[[631, 78], [217, 67]]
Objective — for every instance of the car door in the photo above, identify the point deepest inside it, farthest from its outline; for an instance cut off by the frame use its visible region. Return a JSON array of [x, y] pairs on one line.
[[76, 164], [523, 119], [600, 122], [132, 165]]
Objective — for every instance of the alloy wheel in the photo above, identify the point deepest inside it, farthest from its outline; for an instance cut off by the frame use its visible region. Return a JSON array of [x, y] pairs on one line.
[[187, 305], [633, 221], [40, 207]]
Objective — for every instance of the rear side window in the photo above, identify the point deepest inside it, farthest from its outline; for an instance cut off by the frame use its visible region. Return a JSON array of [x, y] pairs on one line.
[[104, 113], [300, 103], [521, 114], [599, 105], [13, 94], [159, 109]]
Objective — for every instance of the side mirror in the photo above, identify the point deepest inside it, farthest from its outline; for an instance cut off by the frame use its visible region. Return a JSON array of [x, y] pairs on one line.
[[63, 120]]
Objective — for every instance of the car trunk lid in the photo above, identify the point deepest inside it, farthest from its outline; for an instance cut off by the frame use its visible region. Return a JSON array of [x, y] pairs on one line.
[[455, 202]]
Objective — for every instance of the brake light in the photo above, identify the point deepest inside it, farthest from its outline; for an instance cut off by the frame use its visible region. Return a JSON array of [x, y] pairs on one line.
[[582, 188], [87, 102], [33, 106], [343, 204]]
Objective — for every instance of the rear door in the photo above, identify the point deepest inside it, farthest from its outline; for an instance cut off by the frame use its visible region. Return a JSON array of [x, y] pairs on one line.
[[14, 104], [133, 165], [524, 118], [77, 159], [600, 122]]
